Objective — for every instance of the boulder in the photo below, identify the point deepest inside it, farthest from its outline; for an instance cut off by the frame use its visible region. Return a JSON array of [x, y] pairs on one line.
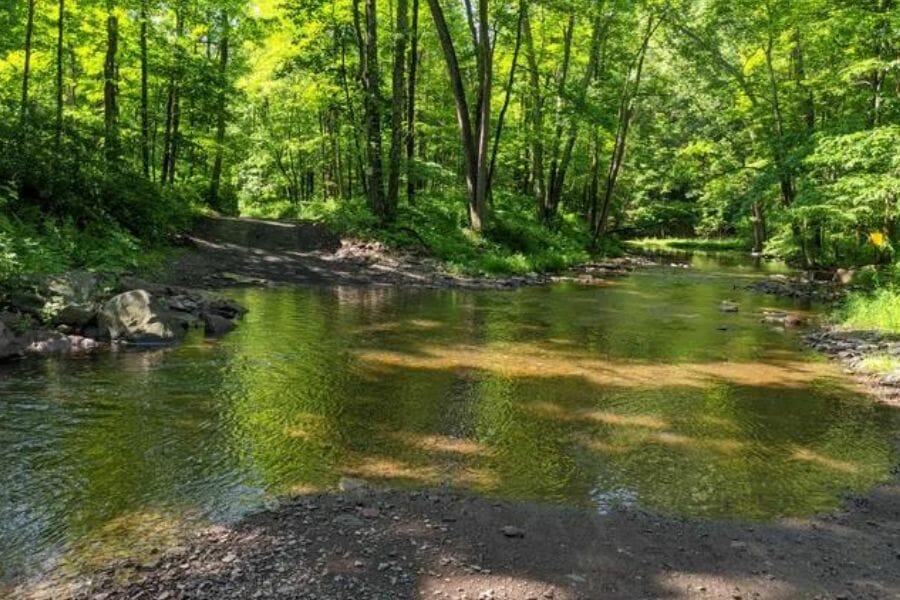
[[216, 326], [8, 345], [140, 318], [75, 315]]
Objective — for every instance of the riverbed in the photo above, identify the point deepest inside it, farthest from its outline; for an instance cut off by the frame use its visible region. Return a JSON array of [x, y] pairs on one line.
[[640, 394]]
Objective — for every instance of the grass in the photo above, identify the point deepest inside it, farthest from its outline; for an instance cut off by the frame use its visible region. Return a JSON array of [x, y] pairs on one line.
[[708, 244], [879, 311], [880, 364], [514, 243]]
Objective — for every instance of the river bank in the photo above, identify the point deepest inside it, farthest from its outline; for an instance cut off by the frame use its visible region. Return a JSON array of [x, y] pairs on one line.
[[368, 543], [81, 312]]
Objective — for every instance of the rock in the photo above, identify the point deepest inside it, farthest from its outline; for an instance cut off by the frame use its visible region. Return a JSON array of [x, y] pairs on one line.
[[8, 344], [76, 315], [216, 326], [348, 521], [513, 532], [891, 379], [43, 343], [350, 485], [140, 318], [729, 307]]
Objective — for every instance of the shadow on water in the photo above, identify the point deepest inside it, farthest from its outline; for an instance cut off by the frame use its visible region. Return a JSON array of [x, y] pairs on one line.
[[623, 397]]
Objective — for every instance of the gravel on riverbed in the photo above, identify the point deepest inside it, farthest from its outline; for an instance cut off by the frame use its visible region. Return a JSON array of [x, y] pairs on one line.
[[389, 544]]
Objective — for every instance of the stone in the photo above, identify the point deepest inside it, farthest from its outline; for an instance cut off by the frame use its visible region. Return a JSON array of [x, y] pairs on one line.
[[75, 315], [513, 532], [729, 307], [216, 326], [139, 318], [8, 344]]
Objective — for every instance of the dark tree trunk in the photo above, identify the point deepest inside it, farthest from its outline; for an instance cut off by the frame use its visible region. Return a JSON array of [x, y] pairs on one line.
[[111, 88], [145, 94], [60, 51], [411, 105], [398, 103], [222, 113]]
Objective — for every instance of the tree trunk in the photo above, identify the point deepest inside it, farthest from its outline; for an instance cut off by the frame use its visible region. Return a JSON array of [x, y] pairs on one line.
[[145, 94], [173, 110], [371, 84], [26, 83], [547, 208], [558, 174], [111, 87], [222, 113], [508, 94], [537, 116], [411, 181], [60, 50], [397, 109], [474, 142], [626, 112]]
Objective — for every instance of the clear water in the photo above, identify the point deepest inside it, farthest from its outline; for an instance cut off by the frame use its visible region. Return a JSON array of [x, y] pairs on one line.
[[640, 393]]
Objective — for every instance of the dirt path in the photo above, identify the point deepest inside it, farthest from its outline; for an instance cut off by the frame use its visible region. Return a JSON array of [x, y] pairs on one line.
[[238, 252]]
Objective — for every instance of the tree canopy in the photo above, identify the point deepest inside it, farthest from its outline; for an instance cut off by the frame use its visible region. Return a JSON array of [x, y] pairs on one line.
[[776, 121]]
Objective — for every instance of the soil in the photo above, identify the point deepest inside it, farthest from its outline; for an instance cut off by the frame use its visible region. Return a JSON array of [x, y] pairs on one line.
[[382, 544], [211, 259]]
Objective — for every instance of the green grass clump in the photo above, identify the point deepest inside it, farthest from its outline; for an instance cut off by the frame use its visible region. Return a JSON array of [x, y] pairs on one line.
[[879, 310], [880, 364], [708, 244], [514, 243]]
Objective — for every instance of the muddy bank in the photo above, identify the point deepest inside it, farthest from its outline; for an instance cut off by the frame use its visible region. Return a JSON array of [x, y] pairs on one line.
[[242, 252], [364, 543]]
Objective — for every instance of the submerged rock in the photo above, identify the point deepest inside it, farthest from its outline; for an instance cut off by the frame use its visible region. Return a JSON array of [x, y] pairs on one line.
[[8, 345], [140, 318]]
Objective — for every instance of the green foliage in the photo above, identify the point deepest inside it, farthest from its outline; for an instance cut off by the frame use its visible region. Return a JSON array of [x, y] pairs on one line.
[[515, 243], [54, 246], [700, 244], [879, 310]]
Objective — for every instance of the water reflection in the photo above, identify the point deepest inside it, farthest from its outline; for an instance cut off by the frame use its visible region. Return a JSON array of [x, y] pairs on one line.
[[620, 396]]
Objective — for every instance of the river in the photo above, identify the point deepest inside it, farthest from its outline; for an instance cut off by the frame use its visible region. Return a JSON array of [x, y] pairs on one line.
[[639, 393]]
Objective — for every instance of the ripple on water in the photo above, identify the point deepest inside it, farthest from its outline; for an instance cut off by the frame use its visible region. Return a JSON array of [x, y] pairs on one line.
[[615, 397]]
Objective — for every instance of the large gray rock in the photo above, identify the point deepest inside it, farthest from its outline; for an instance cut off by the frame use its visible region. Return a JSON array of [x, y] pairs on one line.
[[8, 344], [140, 318]]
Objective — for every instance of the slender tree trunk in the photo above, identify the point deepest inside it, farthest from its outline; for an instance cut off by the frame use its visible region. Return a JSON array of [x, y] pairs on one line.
[[222, 113], [145, 93], [60, 51], [398, 103], [558, 174], [24, 120], [537, 115], [411, 105], [371, 84], [111, 87], [478, 207], [626, 112], [464, 119], [508, 94], [547, 208], [173, 108]]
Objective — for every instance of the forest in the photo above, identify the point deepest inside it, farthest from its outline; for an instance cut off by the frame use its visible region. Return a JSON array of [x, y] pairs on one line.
[[504, 136]]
